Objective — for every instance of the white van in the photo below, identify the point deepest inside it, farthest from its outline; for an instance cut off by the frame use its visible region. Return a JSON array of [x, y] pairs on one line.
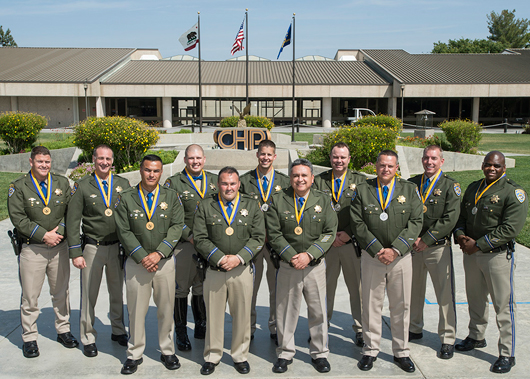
[[358, 114]]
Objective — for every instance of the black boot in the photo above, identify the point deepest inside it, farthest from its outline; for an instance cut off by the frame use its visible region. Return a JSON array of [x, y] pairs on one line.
[[199, 314], [180, 315]]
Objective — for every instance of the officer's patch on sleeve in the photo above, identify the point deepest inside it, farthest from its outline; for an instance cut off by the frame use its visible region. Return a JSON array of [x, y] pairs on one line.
[[521, 195], [354, 194], [11, 189], [458, 190], [325, 238], [117, 202], [74, 189], [418, 193], [167, 183]]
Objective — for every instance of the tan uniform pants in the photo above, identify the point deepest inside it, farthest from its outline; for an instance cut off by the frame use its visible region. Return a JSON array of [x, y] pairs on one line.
[[140, 283], [36, 261], [491, 273], [187, 275], [234, 287], [292, 285], [344, 257], [397, 279], [438, 262], [259, 267], [98, 258]]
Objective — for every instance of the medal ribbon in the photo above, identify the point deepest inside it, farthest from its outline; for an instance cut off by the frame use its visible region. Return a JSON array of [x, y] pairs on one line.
[[341, 188], [229, 219], [192, 181], [107, 197], [36, 184], [477, 198], [265, 196], [149, 212], [435, 178], [300, 215], [385, 203]]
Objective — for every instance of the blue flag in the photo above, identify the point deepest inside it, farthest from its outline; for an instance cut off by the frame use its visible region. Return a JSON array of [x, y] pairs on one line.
[[286, 41]]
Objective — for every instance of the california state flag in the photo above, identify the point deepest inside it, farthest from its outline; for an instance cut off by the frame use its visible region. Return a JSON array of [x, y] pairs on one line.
[[190, 39]]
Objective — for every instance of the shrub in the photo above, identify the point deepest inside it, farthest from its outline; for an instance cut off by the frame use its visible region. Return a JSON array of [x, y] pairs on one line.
[[369, 168], [381, 121], [128, 138], [526, 129], [252, 122], [463, 135], [20, 130], [424, 142]]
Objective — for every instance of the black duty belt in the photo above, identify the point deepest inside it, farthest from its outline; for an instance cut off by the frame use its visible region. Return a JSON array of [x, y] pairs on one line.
[[443, 241], [313, 262], [214, 268], [92, 241], [499, 249]]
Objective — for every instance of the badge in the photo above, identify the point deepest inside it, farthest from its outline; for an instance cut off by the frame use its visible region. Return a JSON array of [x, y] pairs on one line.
[[212, 186], [163, 206], [352, 186], [286, 212], [186, 193], [401, 199], [31, 200], [521, 195], [93, 196], [278, 188], [244, 212], [495, 199], [437, 192], [11, 190], [456, 187], [73, 189], [58, 192], [119, 189], [166, 184], [318, 208]]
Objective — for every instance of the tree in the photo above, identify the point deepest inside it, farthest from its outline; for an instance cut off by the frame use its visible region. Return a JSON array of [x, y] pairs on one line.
[[506, 29], [6, 39], [467, 46]]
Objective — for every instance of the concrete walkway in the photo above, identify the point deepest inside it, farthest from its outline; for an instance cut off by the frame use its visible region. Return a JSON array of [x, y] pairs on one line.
[[57, 362]]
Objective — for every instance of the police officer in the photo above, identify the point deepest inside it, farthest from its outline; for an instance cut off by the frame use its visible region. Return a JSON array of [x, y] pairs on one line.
[[93, 198], [386, 215], [301, 226], [149, 220], [493, 213], [37, 204], [261, 183], [339, 183], [229, 232], [432, 252], [193, 184]]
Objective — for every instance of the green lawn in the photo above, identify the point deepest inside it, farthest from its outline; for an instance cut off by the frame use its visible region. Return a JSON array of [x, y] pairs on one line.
[[5, 179]]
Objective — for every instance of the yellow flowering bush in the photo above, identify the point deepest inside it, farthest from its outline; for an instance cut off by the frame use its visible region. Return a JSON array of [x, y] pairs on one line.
[[129, 138], [381, 121], [252, 122], [19, 130]]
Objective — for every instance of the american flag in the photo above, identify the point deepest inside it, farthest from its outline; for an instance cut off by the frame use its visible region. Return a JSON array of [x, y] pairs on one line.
[[238, 43]]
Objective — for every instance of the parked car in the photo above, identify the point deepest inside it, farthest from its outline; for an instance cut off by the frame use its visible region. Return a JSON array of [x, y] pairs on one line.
[[358, 114]]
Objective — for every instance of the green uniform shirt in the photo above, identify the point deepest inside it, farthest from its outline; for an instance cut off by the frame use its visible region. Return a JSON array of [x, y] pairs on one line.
[[404, 223], [249, 184], [323, 182], [131, 220], [190, 197], [25, 207], [211, 240], [87, 203], [501, 214], [443, 209], [319, 224]]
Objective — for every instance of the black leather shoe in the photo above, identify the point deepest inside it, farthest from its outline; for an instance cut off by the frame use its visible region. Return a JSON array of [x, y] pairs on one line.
[[130, 366], [503, 365], [30, 349], [183, 342], [90, 350], [469, 344], [170, 361], [120, 338], [366, 363], [242, 367], [321, 365], [446, 351], [67, 340], [359, 339], [405, 364], [208, 368], [415, 336], [281, 365], [274, 337]]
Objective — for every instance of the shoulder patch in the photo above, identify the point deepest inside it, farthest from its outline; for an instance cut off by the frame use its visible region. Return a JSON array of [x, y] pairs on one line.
[[457, 189], [167, 183], [521, 195], [354, 194], [74, 189], [418, 193], [11, 189], [117, 202]]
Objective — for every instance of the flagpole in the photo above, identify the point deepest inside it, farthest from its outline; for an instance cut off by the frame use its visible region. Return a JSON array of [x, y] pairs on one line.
[[246, 68], [293, 112], [200, 78]]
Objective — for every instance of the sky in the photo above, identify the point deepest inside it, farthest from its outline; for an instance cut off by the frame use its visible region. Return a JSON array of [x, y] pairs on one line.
[[321, 27]]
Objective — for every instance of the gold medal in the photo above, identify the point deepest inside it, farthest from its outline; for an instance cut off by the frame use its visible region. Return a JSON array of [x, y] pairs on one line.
[[46, 211], [149, 226], [108, 212], [424, 208], [298, 230], [229, 231]]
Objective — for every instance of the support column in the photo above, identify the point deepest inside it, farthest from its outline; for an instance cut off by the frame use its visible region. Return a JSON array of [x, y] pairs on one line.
[[326, 112], [14, 104], [167, 117], [476, 108], [75, 109], [392, 105], [100, 106]]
